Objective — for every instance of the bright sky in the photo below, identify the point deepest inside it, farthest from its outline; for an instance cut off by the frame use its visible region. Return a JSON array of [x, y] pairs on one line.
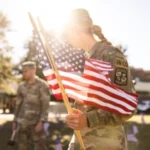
[[125, 22]]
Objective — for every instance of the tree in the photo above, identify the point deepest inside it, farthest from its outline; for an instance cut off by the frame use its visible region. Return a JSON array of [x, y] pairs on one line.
[[6, 67]]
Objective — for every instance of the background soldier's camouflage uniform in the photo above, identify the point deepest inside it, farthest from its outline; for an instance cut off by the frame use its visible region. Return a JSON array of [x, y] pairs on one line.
[[31, 107], [106, 130]]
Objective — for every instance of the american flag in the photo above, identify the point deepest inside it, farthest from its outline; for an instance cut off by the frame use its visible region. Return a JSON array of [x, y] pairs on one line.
[[85, 80]]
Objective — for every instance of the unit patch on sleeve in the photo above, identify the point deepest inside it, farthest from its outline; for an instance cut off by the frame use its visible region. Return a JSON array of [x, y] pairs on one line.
[[121, 62], [120, 76]]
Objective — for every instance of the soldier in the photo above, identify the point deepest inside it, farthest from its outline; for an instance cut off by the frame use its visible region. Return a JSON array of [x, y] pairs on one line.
[[101, 130], [31, 110]]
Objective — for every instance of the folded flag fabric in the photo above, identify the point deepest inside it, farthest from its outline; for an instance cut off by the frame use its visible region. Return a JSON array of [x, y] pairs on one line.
[[85, 80]]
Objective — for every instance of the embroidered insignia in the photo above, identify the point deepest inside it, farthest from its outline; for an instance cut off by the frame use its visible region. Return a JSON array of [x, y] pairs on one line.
[[120, 76], [121, 62]]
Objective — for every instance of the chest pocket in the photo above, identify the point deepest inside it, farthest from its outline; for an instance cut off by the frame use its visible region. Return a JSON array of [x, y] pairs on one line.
[[31, 94]]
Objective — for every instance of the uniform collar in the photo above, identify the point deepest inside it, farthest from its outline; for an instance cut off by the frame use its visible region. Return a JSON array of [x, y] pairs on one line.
[[36, 79], [94, 48]]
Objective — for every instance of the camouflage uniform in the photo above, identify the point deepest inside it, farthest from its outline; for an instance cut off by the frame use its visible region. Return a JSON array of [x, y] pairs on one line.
[[105, 130], [31, 107]]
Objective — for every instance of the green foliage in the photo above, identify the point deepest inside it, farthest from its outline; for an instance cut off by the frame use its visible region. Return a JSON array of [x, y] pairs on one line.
[[4, 22], [6, 67]]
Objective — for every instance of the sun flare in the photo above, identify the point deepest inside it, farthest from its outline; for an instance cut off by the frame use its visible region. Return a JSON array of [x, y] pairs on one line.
[[52, 18]]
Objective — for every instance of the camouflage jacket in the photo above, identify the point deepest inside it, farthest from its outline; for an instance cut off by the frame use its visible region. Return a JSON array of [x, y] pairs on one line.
[[106, 130], [32, 102]]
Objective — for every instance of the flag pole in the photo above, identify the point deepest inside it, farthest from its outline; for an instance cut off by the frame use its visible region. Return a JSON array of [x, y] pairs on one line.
[[65, 98], [36, 29], [51, 59]]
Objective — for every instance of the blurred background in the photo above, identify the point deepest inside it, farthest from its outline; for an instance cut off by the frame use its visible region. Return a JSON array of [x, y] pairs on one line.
[[124, 23]]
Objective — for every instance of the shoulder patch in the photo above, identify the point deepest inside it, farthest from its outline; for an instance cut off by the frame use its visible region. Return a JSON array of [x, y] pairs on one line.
[[121, 62], [121, 76]]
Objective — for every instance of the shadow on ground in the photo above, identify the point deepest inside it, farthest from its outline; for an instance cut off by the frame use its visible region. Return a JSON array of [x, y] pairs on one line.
[[138, 135], [55, 129], [5, 134]]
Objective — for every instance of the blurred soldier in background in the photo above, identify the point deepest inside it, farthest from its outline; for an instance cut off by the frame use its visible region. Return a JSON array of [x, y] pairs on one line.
[[101, 130], [31, 110]]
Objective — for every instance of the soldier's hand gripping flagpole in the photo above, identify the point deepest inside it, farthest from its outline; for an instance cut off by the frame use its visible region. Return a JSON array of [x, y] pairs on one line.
[[52, 62]]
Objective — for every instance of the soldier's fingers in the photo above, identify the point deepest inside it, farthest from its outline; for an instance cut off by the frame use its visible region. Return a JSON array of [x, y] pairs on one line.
[[70, 117], [76, 111], [73, 121], [73, 126]]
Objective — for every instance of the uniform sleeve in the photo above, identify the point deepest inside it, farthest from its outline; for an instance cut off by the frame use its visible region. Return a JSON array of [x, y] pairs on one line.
[[44, 98], [97, 117], [18, 103], [121, 77]]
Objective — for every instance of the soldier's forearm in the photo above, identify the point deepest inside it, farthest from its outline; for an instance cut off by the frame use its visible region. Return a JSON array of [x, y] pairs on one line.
[[44, 108], [15, 115], [44, 116]]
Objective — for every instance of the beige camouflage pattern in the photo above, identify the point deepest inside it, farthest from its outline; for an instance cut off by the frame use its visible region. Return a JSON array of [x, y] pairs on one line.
[[106, 130], [32, 102], [32, 105], [28, 139], [118, 61]]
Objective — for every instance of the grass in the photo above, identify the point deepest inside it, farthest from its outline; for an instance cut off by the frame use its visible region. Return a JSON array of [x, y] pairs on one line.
[[58, 127], [138, 119]]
